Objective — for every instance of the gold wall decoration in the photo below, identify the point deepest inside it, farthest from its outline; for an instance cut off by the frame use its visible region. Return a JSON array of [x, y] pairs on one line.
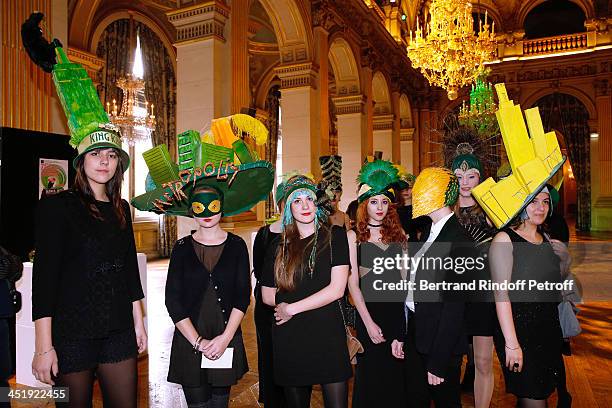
[[27, 90]]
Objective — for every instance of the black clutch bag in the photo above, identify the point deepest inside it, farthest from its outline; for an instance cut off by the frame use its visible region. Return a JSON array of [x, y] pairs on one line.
[[349, 312], [10, 299]]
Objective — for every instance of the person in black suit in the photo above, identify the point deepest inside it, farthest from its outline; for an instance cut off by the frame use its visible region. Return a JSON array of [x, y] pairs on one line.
[[435, 339]]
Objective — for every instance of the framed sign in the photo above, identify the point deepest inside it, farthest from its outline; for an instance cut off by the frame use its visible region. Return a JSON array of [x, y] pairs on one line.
[[52, 176]]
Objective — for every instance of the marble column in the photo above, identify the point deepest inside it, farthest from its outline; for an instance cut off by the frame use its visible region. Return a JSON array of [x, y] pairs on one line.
[[601, 216], [383, 135], [240, 55], [425, 146], [203, 64], [203, 69], [300, 118], [396, 127], [416, 145], [350, 124], [367, 74], [407, 150], [321, 37]]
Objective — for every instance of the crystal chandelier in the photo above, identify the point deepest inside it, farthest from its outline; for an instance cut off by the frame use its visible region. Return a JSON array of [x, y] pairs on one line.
[[447, 51], [480, 114], [135, 117]]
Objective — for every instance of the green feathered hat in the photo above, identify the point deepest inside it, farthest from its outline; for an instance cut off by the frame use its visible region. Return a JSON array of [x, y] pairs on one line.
[[219, 159], [377, 177]]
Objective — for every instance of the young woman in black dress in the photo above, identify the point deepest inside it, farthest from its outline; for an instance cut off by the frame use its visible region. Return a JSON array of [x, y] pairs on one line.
[[207, 295], [529, 339], [305, 274], [270, 394], [379, 377], [86, 287], [480, 316]]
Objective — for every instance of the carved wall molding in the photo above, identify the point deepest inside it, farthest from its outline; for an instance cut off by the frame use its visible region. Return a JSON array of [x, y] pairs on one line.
[[294, 54], [322, 14], [297, 76], [557, 72], [379, 50], [406, 134], [602, 87], [90, 62], [349, 104], [199, 22], [383, 122], [553, 70]]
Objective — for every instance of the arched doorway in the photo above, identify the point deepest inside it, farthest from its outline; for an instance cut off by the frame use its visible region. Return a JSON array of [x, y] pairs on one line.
[[116, 46], [568, 115]]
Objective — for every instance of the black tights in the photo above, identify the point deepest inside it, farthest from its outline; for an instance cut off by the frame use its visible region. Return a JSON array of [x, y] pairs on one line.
[[118, 381], [335, 395], [530, 403], [207, 396]]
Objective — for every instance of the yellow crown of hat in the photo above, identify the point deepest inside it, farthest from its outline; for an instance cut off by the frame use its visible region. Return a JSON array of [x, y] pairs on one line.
[[534, 158], [434, 188]]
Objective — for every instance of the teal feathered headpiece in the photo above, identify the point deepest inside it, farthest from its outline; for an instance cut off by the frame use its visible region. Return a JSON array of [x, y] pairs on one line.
[[377, 177]]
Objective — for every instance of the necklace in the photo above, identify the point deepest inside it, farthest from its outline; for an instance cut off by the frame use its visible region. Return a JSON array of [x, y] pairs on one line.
[[374, 225], [313, 253]]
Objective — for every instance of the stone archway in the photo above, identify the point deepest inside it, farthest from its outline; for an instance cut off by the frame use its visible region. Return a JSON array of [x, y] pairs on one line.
[[527, 6], [383, 116], [346, 116], [406, 134], [141, 18], [405, 112], [292, 31], [568, 115], [381, 94], [344, 65]]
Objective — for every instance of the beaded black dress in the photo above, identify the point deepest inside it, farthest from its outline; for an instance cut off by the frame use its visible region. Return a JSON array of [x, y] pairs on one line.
[[536, 322]]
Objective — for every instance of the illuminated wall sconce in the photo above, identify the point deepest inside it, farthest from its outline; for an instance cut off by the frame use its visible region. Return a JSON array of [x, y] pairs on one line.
[[594, 135]]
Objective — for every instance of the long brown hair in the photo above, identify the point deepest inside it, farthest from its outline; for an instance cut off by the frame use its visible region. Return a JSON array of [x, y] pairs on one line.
[[293, 253], [113, 191], [391, 230]]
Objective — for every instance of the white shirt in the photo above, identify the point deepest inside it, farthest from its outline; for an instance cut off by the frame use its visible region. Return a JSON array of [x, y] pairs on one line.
[[433, 234]]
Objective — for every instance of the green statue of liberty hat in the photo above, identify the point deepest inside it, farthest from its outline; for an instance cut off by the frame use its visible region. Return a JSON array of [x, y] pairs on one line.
[[218, 159], [90, 127]]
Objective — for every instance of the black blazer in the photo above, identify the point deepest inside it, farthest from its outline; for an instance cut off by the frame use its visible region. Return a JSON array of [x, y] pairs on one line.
[[188, 279], [439, 316]]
